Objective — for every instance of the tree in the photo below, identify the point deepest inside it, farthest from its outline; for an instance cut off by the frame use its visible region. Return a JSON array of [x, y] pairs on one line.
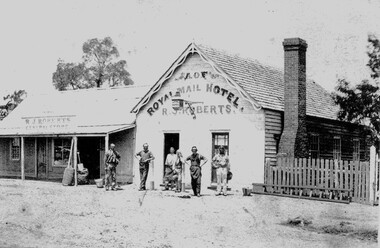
[[13, 101], [361, 103], [69, 75], [99, 66]]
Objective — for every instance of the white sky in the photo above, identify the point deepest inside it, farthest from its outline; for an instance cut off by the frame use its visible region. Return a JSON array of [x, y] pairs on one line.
[[151, 34]]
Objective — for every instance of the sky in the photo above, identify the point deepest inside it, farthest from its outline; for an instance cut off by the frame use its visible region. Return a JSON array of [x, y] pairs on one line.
[[150, 35]]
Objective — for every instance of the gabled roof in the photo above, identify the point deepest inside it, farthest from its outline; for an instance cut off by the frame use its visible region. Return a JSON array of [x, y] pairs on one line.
[[262, 85], [92, 111], [266, 84]]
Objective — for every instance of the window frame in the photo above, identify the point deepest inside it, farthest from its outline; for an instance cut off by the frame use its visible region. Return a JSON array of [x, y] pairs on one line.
[[54, 140], [356, 149], [337, 155], [311, 151], [213, 149], [12, 158]]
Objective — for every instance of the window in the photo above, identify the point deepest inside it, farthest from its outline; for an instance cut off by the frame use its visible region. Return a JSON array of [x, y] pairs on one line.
[[62, 149], [337, 155], [218, 140], [314, 146], [356, 152], [15, 149]]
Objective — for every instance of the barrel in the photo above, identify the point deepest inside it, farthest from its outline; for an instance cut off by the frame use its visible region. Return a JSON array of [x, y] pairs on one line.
[[68, 176]]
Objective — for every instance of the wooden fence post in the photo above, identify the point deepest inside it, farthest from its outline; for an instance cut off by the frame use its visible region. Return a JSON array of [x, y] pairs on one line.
[[22, 154], [372, 176], [75, 163]]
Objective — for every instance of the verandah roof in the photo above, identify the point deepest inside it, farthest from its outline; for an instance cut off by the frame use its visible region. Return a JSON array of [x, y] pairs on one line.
[[92, 111]]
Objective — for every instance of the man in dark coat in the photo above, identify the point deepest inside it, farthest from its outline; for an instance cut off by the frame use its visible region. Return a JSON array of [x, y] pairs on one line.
[[196, 170], [111, 160], [144, 156]]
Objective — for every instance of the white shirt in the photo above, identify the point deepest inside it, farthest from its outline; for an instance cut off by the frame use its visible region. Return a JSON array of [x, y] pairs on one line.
[[170, 160]]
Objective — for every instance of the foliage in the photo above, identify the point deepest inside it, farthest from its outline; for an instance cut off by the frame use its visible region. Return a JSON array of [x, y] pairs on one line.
[[361, 103], [14, 100], [374, 56], [17, 97], [99, 67]]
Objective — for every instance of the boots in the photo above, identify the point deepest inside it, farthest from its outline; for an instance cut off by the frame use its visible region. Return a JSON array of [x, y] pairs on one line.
[[179, 184]]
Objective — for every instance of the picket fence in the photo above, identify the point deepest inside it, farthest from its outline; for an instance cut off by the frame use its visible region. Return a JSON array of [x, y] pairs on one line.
[[325, 174]]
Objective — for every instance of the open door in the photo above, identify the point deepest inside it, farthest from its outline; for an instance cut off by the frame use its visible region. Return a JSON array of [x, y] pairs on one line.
[[89, 153], [170, 140], [42, 159]]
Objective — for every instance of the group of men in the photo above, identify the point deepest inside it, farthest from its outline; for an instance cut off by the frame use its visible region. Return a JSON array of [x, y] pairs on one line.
[[173, 168]]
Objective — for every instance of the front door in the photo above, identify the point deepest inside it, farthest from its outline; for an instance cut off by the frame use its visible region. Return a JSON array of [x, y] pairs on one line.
[[89, 155], [218, 140], [42, 159], [170, 140]]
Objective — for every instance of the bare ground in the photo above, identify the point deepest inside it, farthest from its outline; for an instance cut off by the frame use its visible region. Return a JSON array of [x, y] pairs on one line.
[[46, 214]]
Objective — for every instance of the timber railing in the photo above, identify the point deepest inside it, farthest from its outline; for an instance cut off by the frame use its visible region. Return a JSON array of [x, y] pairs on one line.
[[319, 179]]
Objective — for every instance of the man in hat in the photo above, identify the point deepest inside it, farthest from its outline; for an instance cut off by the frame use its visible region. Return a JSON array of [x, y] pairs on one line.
[[221, 163], [111, 160], [144, 156], [196, 170]]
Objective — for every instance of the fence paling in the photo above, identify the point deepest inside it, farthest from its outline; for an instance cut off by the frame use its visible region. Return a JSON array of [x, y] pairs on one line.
[[324, 174]]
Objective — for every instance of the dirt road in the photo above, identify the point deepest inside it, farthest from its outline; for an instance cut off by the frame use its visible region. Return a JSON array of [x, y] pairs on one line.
[[46, 214]]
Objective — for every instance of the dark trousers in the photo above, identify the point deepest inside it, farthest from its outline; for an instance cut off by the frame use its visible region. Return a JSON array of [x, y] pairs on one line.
[[196, 184], [110, 177], [144, 169]]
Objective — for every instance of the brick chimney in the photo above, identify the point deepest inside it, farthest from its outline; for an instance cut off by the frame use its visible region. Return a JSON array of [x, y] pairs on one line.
[[294, 141]]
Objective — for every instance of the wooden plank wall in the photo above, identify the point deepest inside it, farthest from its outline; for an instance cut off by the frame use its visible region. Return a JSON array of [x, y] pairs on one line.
[[327, 129], [273, 126]]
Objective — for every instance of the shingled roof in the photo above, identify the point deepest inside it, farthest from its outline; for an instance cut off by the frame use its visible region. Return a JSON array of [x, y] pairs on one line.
[[266, 84]]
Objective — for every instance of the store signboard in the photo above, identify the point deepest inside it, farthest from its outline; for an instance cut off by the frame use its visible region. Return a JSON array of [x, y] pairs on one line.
[[43, 123]]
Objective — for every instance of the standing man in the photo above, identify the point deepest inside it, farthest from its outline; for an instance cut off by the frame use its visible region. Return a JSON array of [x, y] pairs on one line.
[[111, 160], [170, 162], [144, 156], [196, 170], [221, 163]]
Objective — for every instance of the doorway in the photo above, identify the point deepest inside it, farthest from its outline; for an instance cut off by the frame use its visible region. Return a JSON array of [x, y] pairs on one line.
[[170, 140], [42, 159], [89, 155]]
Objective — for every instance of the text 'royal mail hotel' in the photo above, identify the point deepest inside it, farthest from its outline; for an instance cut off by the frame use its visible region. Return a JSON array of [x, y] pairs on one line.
[[207, 98]]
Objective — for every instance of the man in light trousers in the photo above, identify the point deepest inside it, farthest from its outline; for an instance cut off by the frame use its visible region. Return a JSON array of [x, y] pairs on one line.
[[221, 163]]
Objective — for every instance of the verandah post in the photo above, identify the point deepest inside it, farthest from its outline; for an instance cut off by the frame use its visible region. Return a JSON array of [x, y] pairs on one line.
[[106, 147], [35, 159], [75, 153], [22, 154], [372, 175]]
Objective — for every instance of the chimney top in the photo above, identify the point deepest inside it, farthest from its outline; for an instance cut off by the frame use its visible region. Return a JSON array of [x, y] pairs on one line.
[[294, 44]]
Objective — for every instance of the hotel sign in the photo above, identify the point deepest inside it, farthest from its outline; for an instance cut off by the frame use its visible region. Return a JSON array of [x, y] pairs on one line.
[[43, 123]]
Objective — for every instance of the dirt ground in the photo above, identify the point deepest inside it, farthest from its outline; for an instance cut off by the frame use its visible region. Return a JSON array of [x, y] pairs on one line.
[[47, 214]]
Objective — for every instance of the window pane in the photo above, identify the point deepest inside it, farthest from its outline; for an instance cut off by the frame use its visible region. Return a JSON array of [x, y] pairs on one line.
[[314, 146], [61, 151], [336, 148], [15, 149]]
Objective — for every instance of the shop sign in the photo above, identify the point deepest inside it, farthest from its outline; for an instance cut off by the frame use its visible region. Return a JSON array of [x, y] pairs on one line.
[[211, 88], [48, 122]]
